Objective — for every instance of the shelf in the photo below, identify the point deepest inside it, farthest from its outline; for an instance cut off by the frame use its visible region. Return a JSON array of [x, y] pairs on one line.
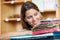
[[13, 2], [12, 19], [51, 10]]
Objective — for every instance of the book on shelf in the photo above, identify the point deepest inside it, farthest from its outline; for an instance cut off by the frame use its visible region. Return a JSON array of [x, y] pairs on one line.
[[30, 36], [46, 26], [34, 37]]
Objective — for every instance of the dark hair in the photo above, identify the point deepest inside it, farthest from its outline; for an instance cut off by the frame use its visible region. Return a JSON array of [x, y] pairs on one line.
[[26, 6]]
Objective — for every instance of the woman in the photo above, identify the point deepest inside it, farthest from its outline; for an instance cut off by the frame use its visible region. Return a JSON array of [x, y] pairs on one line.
[[30, 15]]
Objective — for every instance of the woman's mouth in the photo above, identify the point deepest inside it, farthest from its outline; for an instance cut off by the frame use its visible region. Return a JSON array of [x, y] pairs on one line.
[[36, 23]]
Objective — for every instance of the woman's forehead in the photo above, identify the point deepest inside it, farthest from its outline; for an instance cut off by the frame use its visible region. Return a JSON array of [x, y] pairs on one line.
[[31, 11]]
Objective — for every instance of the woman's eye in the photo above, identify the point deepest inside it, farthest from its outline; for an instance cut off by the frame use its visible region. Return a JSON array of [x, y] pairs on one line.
[[35, 14], [29, 17]]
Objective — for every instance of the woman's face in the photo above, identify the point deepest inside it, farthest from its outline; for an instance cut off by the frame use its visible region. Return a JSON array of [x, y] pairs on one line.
[[32, 17]]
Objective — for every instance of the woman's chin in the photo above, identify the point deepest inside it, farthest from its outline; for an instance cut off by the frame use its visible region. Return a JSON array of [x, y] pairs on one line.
[[35, 24]]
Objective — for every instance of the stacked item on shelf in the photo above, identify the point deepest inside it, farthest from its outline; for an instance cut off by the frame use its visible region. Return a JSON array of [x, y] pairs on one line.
[[46, 26], [31, 37], [48, 36]]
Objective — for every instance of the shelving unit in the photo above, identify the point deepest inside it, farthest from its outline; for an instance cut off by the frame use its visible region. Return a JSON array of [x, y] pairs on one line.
[[58, 10], [11, 8], [0, 16]]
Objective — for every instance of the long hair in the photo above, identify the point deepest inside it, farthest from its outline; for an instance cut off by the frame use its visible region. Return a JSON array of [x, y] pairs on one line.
[[26, 6]]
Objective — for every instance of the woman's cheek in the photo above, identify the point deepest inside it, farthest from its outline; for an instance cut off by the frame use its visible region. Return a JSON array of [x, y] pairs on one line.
[[29, 21], [38, 17]]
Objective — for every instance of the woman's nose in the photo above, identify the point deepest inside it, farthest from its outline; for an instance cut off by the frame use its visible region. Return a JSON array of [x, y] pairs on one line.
[[34, 18]]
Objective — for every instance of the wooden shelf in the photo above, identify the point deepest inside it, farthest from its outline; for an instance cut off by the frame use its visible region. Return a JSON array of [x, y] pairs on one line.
[[12, 19], [13, 2], [16, 1], [51, 10]]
